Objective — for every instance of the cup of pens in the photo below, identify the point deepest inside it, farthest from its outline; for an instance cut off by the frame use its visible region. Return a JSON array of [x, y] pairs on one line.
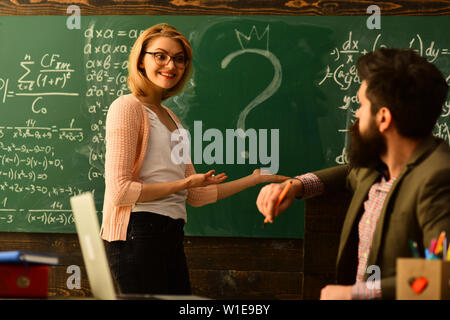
[[426, 278]]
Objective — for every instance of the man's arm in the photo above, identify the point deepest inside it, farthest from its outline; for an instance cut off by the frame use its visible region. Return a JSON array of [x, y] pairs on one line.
[[303, 187]]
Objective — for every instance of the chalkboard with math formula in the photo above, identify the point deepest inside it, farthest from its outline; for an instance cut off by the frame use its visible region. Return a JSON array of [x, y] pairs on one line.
[[288, 82]]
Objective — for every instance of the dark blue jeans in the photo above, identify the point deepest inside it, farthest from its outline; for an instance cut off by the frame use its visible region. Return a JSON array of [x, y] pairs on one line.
[[152, 259]]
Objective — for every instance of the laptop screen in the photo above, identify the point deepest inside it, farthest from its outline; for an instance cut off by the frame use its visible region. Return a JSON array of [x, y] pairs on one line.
[[92, 248]]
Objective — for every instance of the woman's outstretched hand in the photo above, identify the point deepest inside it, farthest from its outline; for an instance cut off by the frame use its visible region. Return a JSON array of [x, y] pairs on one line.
[[262, 177], [205, 179]]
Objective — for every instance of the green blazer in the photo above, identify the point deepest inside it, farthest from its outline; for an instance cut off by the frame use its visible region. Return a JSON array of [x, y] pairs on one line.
[[416, 208]]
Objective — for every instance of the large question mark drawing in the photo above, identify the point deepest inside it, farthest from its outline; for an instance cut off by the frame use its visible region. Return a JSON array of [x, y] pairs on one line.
[[274, 84]]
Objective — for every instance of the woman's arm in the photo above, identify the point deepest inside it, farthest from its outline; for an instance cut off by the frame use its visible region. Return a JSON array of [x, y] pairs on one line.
[[228, 189], [122, 135], [159, 190], [154, 191]]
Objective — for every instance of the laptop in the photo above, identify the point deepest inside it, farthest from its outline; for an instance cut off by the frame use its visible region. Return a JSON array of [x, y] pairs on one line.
[[94, 255]]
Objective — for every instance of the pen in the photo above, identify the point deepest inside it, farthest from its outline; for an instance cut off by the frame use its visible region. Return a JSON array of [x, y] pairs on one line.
[[281, 197], [414, 249], [448, 254], [432, 245], [444, 249], [438, 248], [430, 255]]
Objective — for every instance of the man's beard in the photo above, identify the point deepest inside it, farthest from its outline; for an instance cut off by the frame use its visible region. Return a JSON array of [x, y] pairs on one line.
[[366, 149]]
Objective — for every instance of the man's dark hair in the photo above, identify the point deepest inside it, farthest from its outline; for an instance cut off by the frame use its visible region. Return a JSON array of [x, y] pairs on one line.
[[412, 88]]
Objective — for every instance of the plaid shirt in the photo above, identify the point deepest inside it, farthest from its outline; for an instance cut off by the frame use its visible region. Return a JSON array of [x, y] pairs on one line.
[[366, 228]]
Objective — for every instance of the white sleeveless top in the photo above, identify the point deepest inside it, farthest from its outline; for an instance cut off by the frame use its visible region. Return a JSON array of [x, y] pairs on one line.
[[159, 167]]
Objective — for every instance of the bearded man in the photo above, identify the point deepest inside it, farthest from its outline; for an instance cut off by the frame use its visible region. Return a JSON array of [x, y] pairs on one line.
[[398, 172]]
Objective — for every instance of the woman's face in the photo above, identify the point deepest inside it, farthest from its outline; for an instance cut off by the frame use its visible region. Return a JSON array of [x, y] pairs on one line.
[[164, 62]]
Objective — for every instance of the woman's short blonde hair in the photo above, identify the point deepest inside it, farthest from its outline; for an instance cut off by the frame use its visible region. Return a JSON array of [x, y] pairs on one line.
[[137, 80]]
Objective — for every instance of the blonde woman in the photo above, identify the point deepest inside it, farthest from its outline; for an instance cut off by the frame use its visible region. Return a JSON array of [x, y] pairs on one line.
[[144, 208]]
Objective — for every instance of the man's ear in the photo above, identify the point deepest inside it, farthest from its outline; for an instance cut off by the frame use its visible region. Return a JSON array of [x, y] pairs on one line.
[[384, 119]]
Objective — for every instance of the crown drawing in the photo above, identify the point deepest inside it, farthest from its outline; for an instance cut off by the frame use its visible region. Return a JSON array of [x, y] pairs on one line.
[[254, 40]]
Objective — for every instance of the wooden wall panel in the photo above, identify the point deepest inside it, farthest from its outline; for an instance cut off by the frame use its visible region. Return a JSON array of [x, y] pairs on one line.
[[224, 7], [240, 268], [220, 268], [324, 217]]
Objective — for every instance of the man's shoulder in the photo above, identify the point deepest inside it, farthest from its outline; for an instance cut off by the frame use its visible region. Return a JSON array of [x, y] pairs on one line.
[[440, 157], [443, 148], [434, 167]]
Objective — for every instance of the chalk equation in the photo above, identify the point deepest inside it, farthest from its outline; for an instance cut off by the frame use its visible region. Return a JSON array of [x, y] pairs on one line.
[[47, 77], [33, 159], [39, 133], [48, 217]]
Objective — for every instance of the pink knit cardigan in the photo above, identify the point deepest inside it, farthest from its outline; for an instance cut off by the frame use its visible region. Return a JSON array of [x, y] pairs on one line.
[[127, 132]]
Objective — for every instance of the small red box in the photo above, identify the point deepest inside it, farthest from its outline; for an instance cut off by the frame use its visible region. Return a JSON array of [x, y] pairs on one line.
[[29, 281]]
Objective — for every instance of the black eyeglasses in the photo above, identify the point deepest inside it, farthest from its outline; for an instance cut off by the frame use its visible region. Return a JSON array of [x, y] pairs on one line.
[[163, 59]]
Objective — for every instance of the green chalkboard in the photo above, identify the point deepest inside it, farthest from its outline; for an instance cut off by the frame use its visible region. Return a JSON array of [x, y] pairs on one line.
[[290, 82]]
